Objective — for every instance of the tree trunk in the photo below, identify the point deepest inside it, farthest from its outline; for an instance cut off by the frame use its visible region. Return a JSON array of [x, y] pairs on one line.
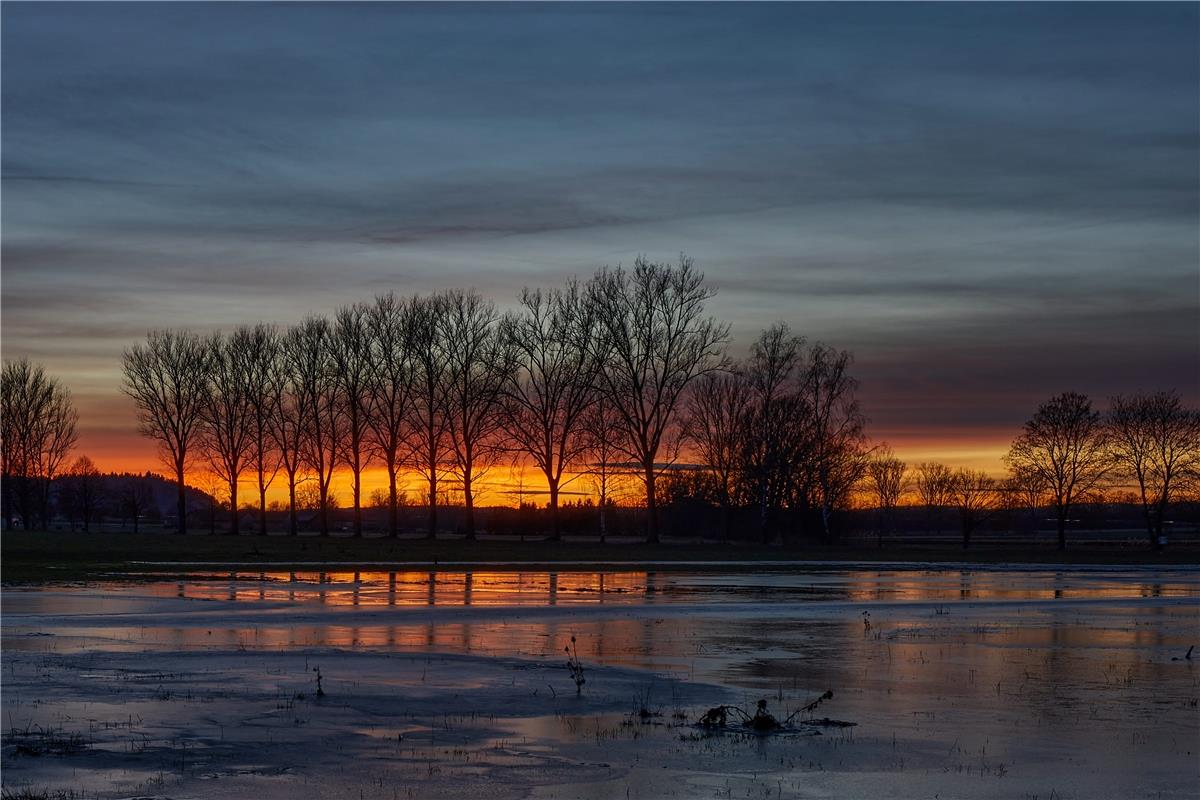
[[262, 507], [293, 517], [432, 501], [181, 498], [554, 532], [234, 529], [651, 507], [357, 467], [470, 521], [393, 511]]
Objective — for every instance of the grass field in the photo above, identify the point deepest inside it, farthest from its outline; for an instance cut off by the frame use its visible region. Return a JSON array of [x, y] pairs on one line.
[[40, 557]]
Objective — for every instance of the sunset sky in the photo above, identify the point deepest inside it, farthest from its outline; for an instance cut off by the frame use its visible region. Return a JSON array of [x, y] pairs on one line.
[[987, 204]]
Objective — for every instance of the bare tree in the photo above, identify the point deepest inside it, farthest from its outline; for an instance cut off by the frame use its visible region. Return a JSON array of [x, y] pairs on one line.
[[38, 422], [478, 366], [1155, 440], [836, 452], [288, 421], [260, 347], [353, 361], [656, 341], [602, 431], [227, 433], [392, 380], [977, 497], [1026, 489], [887, 477], [718, 410], [428, 416], [774, 432], [935, 484], [310, 349], [167, 378], [546, 396], [86, 490], [1065, 442], [135, 498]]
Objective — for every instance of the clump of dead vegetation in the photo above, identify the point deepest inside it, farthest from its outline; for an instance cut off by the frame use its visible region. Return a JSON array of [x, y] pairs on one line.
[[762, 722], [575, 666], [34, 740]]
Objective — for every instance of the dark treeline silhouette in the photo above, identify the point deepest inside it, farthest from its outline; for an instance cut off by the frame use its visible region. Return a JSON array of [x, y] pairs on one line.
[[597, 384]]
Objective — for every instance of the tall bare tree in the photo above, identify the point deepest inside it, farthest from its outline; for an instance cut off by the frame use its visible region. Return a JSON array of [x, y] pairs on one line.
[[546, 396], [887, 478], [602, 432], [167, 378], [1155, 440], [718, 410], [1065, 442], [288, 422], [390, 323], [478, 366], [352, 360], [656, 341], [428, 415], [836, 453], [227, 432], [310, 350], [774, 433], [977, 497], [260, 346]]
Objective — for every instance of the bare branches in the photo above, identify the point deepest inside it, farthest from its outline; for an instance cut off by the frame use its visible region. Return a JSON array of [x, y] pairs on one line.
[[38, 422], [1066, 445], [656, 341], [167, 378]]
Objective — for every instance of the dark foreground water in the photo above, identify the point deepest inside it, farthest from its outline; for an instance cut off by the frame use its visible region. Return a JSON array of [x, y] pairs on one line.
[[1006, 683]]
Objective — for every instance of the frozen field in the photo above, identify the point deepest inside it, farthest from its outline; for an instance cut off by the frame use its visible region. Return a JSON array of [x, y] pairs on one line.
[[993, 683]]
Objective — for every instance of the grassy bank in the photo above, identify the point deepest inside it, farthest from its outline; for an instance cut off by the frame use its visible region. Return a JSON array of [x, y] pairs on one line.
[[56, 556]]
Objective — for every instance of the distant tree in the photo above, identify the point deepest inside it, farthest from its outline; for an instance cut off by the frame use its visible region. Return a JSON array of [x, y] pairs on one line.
[[260, 346], [478, 366], [656, 341], [1155, 440], [976, 495], [167, 378], [545, 397], [390, 323], [935, 486], [310, 349], [353, 361], [87, 490], [37, 432], [227, 415], [428, 416], [887, 478], [1065, 443], [135, 498], [718, 411], [1026, 489]]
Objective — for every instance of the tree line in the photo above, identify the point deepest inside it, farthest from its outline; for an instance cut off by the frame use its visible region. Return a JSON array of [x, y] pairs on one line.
[[623, 374]]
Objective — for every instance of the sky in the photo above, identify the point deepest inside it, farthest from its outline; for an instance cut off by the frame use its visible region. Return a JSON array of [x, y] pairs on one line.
[[987, 204]]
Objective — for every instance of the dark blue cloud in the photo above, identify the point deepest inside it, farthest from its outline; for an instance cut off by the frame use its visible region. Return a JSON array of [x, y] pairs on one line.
[[997, 184]]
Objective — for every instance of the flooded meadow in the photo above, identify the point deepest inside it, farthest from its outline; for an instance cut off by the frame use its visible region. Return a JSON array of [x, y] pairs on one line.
[[945, 682]]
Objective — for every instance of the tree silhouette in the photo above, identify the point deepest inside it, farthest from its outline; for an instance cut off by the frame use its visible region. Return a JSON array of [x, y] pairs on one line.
[[1155, 440], [37, 432], [390, 323], [1066, 444], [260, 347], [718, 410], [227, 432], [167, 378], [887, 477], [428, 416], [655, 341], [547, 394], [310, 351], [977, 498]]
